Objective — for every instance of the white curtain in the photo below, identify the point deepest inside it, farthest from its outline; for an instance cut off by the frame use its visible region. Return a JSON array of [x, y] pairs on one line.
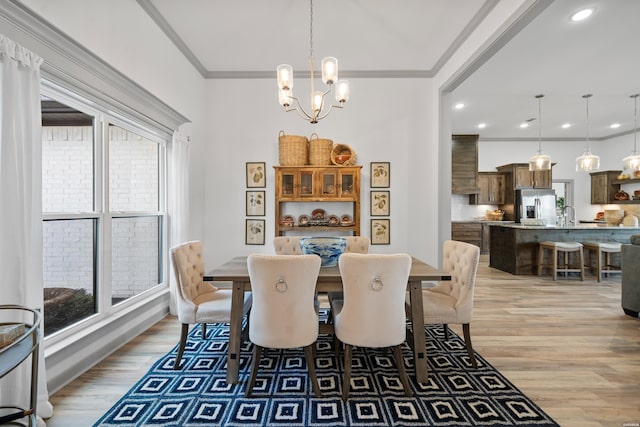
[[178, 201], [21, 205]]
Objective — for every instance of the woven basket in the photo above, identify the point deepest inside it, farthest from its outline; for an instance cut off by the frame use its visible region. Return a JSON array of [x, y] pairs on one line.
[[319, 151], [343, 155], [293, 149]]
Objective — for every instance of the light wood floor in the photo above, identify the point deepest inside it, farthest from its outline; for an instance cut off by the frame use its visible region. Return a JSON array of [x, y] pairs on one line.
[[566, 344]]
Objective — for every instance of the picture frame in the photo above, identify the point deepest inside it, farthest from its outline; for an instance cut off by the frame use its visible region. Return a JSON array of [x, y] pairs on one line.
[[255, 203], [256, 175], [380, 203], [381, 231], [380, 174], [254, 232]]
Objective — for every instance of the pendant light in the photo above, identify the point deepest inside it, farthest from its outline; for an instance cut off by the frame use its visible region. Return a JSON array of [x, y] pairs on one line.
[[631, 163], [540, 162], [587, 162]]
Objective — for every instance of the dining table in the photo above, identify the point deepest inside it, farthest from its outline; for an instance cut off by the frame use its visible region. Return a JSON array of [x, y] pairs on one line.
[[329, 280]]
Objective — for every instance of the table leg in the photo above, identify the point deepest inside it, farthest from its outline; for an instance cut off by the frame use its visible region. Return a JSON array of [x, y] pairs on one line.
[[419, 340], [235, 332]]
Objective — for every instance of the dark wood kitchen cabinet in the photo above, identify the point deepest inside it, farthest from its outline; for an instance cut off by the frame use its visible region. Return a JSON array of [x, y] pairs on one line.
[[469, 232], [522, 177], [603, 188], [464, 164], [491, 185]]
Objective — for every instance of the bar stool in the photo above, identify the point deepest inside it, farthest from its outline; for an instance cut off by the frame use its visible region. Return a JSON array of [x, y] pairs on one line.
[[606, 249], [564, 248]]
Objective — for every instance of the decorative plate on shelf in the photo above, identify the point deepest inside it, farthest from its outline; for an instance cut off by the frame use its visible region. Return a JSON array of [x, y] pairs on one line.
[[303, 220], [346, 221], [288, 221], [318, 214], [334, 220]]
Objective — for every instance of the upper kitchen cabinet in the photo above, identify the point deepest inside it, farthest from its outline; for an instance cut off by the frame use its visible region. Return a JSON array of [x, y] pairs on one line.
[[464, 164], [603, 188], [521, 177], [491, 185]]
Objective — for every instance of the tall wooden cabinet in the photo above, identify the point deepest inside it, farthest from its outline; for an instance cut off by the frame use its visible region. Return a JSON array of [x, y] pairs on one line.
[[321, 187], [464, 164]]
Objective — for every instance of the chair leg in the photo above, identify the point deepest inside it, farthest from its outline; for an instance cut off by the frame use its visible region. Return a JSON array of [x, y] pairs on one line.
[[581, 257], [445, 329], [257, 354], [311, 365], [346, 384], [397, 352], [183, 341], [204, 330], [467, 341]]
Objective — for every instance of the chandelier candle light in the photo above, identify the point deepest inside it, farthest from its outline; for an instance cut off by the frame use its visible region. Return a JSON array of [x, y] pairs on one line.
[[540, 162], [632, 162], [587, 161], [329, 77]]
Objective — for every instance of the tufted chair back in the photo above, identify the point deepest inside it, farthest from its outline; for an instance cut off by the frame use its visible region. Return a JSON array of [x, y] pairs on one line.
[[372, 317], [358, 244], [460, 260], [285, 245], [188, 264]]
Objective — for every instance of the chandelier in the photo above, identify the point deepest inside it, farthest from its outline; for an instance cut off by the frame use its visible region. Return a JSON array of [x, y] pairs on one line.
[[587, 161], [329, 77], [540, 162], [632, 162]]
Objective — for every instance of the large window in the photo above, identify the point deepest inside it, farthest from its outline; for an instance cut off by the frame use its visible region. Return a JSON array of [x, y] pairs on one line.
[[103, 210]]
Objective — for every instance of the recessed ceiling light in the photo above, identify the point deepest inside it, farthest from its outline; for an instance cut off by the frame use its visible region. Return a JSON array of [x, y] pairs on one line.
[[524, 125], [614, 125], [582, 14], [482, 125], [459, 106], [566, 126]]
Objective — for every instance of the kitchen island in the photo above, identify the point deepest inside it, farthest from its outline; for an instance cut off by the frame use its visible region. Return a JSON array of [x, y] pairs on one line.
[[514, 247]]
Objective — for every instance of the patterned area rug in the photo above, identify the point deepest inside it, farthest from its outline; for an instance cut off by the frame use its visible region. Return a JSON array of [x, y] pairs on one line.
[[198, 395]]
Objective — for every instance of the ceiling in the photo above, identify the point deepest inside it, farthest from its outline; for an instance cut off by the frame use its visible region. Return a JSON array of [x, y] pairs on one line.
[[414, 38]]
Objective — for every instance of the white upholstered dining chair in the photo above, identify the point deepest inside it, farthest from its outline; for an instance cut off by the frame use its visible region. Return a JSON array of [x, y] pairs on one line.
[[452, 301], [283, 315], [290, 245], [372, 312], [198, 301]]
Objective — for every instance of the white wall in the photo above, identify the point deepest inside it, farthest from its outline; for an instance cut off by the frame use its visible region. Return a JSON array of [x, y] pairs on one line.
[[385, 120]]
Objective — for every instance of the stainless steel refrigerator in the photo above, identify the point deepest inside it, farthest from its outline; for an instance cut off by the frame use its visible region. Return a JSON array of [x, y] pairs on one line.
[[532, 203]]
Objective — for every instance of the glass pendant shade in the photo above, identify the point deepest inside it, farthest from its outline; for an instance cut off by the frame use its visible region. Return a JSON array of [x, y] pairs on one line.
[[329, 70], [587, 162], [632, 162], [540, 162]]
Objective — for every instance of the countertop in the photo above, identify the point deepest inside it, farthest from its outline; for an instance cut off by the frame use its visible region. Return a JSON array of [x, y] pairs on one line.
[[579, 226]]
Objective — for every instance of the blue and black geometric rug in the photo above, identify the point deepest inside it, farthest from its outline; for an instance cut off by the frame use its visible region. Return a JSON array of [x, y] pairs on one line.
[[198, 395]]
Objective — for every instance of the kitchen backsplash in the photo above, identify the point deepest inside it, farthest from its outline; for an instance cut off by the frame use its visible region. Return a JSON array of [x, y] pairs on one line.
[[461, 210]]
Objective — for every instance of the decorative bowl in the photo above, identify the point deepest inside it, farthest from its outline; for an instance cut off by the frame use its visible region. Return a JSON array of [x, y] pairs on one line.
[[613, 216], [328, 249]]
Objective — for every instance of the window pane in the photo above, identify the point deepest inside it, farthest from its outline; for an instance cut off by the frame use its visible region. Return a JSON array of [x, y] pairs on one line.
[[69, 276], [67, 159], [133, 172], [135, 262]]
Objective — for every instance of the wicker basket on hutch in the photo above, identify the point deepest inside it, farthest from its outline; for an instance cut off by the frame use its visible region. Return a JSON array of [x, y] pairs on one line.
[[343, 155], [319, 150], [292, 149]]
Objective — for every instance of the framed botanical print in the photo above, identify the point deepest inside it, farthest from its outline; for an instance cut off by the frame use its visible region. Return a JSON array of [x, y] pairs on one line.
[[380, 231], [255, 203], [380, 174], [380, 203], [254, 232], [256, 175]]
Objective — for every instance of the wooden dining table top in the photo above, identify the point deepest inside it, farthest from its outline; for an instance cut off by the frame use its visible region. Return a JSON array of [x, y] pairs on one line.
[[235, 270]]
